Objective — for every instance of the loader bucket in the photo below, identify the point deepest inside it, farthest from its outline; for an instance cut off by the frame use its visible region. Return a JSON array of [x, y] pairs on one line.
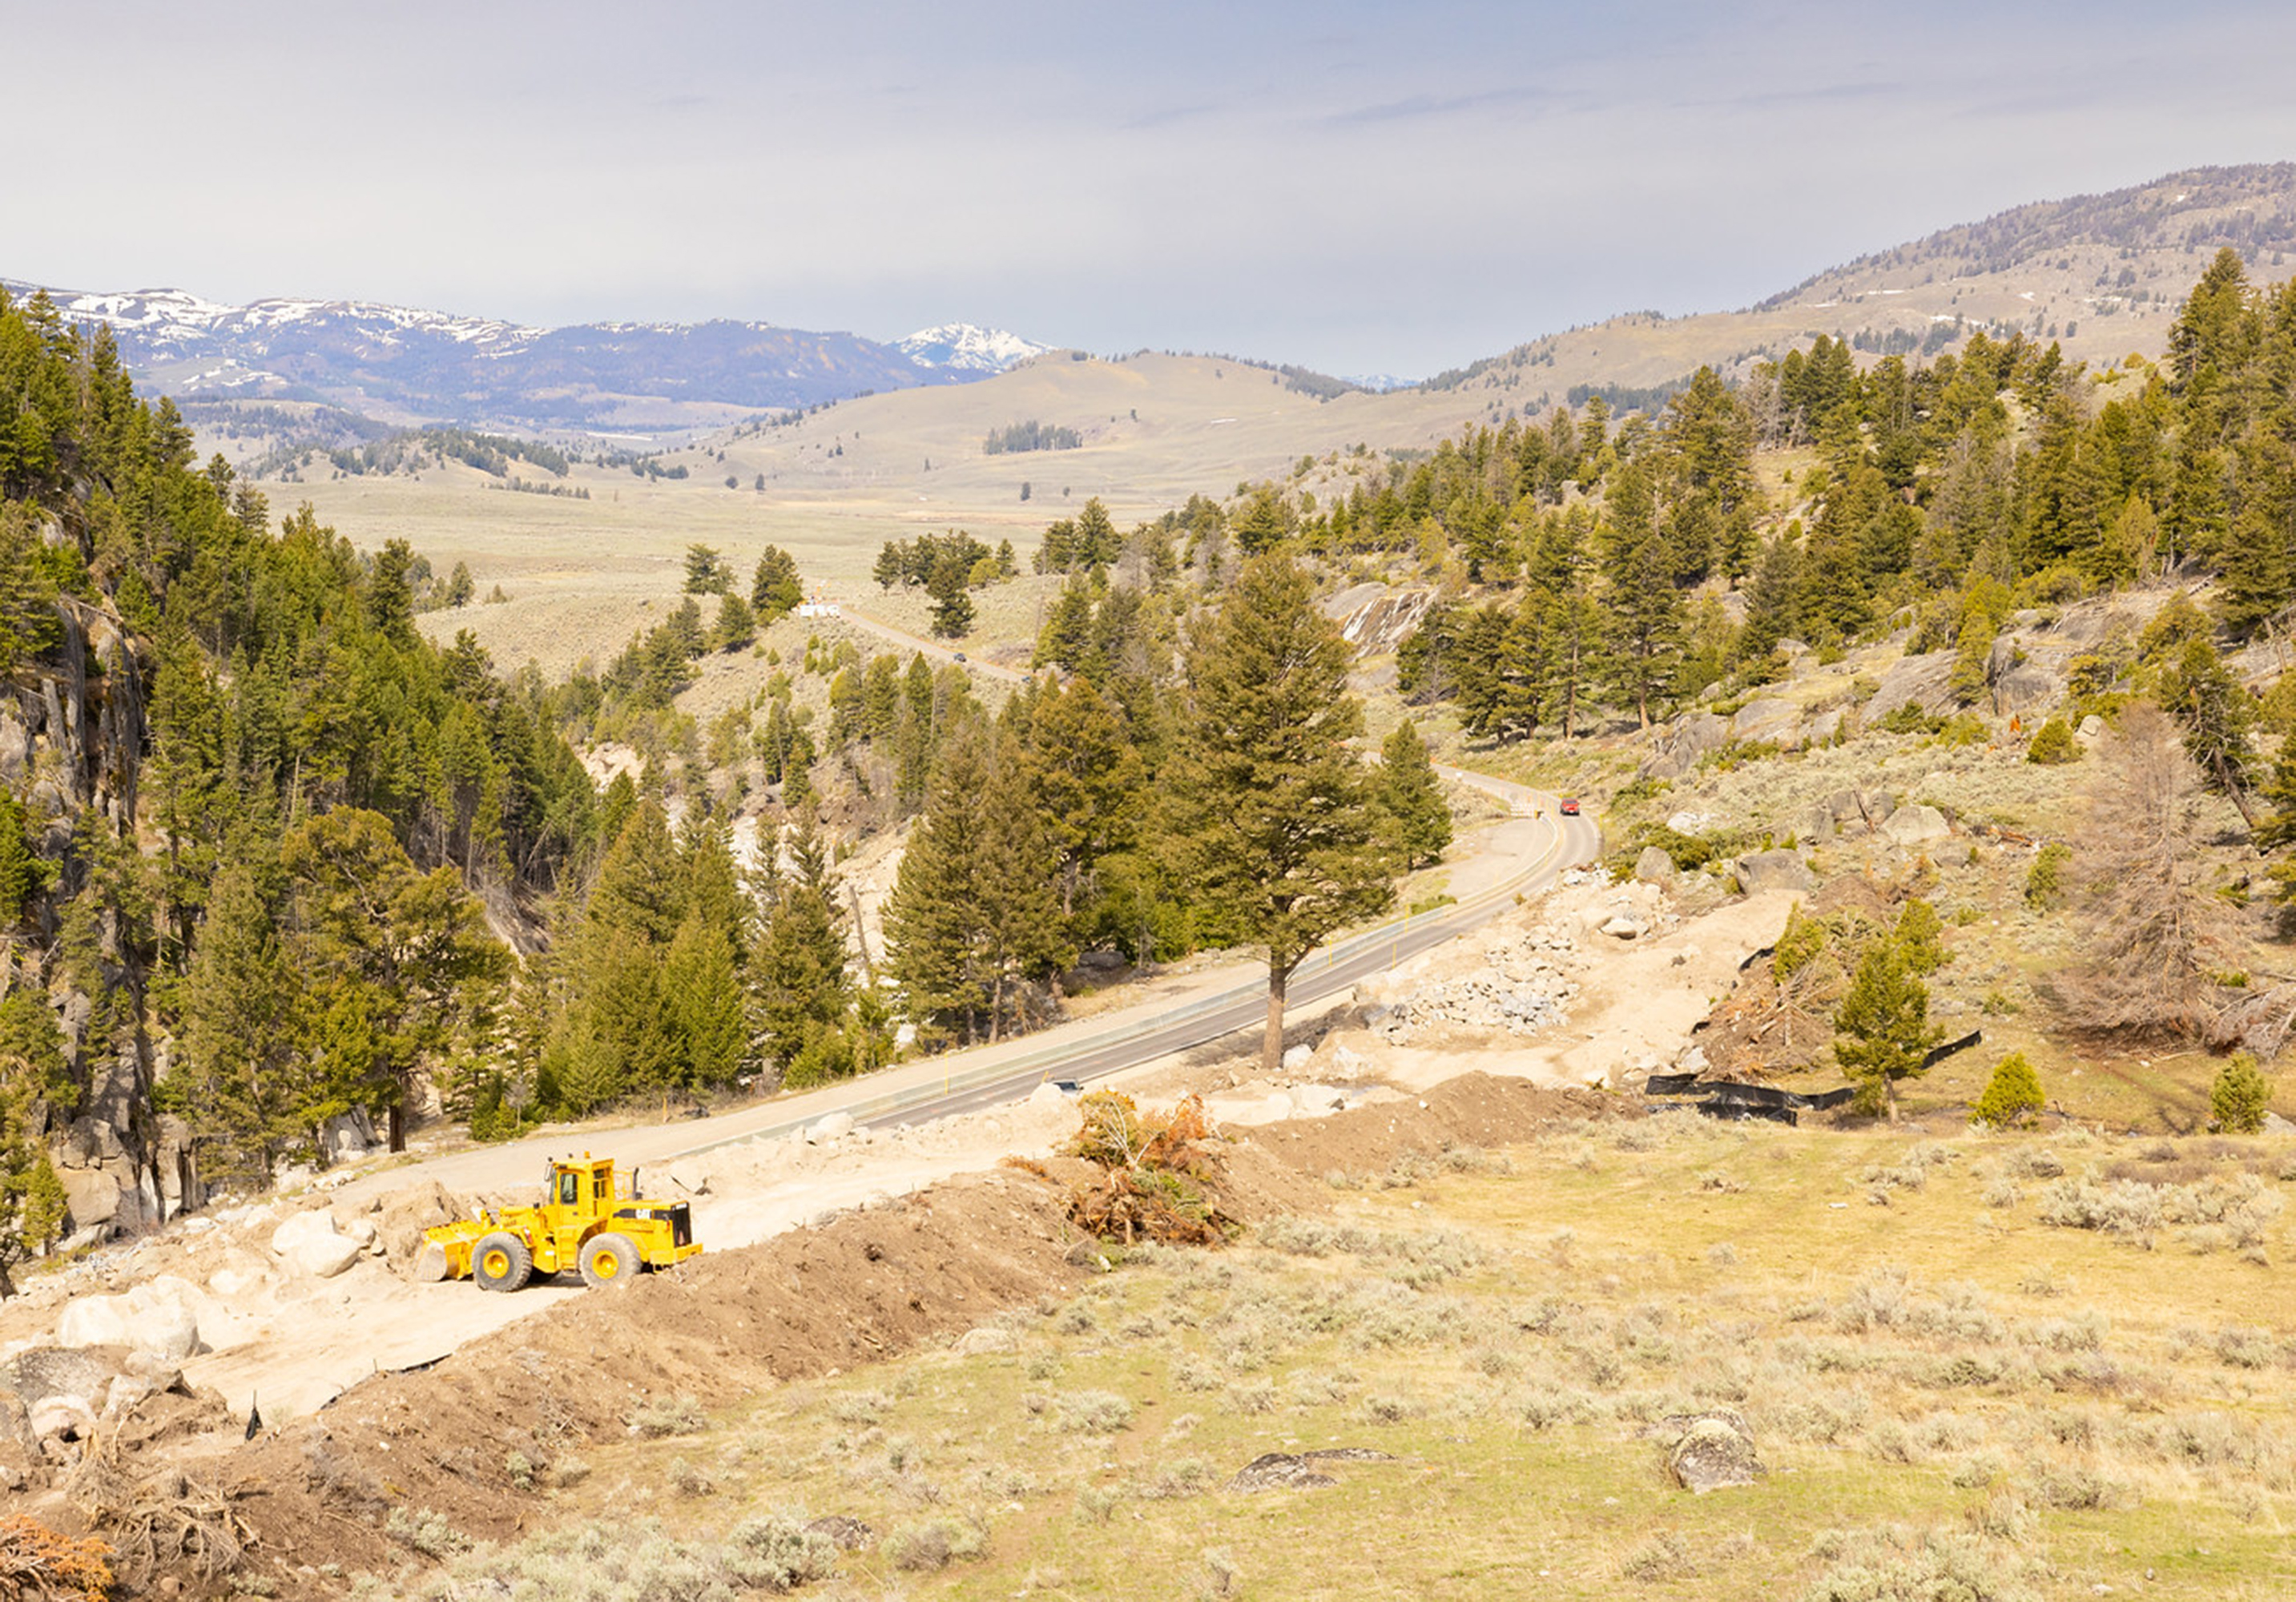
[[445, 1251]]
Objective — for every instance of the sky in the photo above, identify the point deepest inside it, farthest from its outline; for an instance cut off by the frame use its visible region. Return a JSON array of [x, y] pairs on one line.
[[1359, 188]]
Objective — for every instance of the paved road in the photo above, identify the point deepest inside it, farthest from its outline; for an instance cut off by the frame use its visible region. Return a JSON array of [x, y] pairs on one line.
[[1520, 856]]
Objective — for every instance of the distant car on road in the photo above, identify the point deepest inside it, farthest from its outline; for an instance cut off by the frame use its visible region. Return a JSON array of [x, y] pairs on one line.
[[959, 655], [1569, 806]]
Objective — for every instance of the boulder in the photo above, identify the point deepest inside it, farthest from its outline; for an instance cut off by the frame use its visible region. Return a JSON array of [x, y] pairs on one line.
[[1770, 718], [1279, 1471], [1813, 824], [2024, 687], [1922, 681], [2090, 727], [1761, 870], [1823, 729], [1297, 1057], [92, 1321], [1653, 866], [834, 1127], [986, 1338], [1623, 927], [1712, 1452], [1915, 825], [49, 1370], [309, 1240], [350, 1135], [142, 1320], [65, 1417], [92, 1194], [1680, 744], [407, 1213]]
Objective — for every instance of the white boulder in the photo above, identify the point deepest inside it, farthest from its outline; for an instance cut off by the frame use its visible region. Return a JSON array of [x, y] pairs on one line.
[[1915, 825], [156, 1319], [834, 1127], [309, 1241]]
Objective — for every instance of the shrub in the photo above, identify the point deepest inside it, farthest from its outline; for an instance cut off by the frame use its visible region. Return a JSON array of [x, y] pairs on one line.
[[2045, 884], [776, 1552], [2053, 745], [2012, 1096], [1092, 1412], [46, 1564], [669, 1415], [934, 1544], [2240, 1095]]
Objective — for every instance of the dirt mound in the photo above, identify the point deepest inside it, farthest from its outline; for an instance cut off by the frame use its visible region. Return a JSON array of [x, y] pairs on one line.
[[463, 1440], [443, 1439], [1473, 1109]]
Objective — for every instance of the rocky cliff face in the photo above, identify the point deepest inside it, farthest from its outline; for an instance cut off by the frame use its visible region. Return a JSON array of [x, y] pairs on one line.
[[73, 736]]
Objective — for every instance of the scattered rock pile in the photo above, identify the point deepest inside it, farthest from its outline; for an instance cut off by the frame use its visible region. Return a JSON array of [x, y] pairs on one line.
[[1523, 988]]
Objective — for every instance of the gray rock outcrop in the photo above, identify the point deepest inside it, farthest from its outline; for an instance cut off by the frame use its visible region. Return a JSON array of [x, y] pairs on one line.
[[1781, 869], [1915, 825]]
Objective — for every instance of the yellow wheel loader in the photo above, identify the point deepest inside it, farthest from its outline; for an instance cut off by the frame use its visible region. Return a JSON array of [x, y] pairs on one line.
[[585, 1222]]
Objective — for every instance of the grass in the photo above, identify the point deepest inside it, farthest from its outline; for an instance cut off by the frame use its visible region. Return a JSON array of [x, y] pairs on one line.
[[1940, 1387]]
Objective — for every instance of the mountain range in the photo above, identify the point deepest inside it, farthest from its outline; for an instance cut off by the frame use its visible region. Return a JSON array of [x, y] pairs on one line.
[[396, 364]]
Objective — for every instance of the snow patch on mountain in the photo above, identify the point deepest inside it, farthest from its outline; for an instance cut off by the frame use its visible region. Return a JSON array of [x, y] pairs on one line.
[[968, 348]]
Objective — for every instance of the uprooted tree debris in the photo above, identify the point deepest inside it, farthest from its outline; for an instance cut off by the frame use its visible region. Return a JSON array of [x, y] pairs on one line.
[[1153, 1170]]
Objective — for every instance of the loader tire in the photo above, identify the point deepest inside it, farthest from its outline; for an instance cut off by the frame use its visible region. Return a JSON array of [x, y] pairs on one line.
[[501, 1262], [609, 1258]]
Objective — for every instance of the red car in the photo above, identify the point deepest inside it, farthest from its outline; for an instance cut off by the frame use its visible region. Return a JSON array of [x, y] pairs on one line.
[[1569, 806]]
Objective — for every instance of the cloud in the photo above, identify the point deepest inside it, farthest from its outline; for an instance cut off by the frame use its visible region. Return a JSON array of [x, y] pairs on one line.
[[1425, 106]]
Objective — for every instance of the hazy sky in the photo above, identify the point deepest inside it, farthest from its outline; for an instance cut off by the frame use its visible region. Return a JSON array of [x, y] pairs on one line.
[[1356, 187]]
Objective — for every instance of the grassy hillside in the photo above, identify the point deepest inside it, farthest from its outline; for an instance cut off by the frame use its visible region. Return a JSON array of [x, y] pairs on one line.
[[1954, 1392]]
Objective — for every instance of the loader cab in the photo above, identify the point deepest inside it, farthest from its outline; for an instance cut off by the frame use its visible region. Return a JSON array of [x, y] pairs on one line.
[[575, 1190]]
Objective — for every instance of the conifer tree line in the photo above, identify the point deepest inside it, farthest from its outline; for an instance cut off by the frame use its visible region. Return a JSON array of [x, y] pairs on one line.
[[949, 566], [1595, 567], [1181, 772], [273, 815]]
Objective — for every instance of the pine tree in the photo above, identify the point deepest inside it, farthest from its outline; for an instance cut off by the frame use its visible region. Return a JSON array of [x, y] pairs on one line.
[[799, 969], [239, 1016], [1413, 814], [701, 993], [2012, 1096], [1276, 807], [2215, 714], [1881, 1029], [1087, 779], [1645, 610], [736, 625], [775, 590], [932, 918], [706, 573], [34, 1079]]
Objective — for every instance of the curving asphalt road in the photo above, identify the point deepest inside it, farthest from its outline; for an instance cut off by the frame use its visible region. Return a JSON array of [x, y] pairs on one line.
[[1520, 856]]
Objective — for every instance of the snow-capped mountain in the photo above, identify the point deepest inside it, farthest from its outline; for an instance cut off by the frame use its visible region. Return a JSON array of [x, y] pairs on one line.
[[407, 366], [968, 348]]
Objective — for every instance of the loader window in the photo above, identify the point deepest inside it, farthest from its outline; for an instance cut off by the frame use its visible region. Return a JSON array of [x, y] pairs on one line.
[[570, 1187]]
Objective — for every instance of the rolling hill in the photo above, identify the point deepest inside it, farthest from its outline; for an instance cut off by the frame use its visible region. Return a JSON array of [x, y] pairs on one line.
[[2102, 274]]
